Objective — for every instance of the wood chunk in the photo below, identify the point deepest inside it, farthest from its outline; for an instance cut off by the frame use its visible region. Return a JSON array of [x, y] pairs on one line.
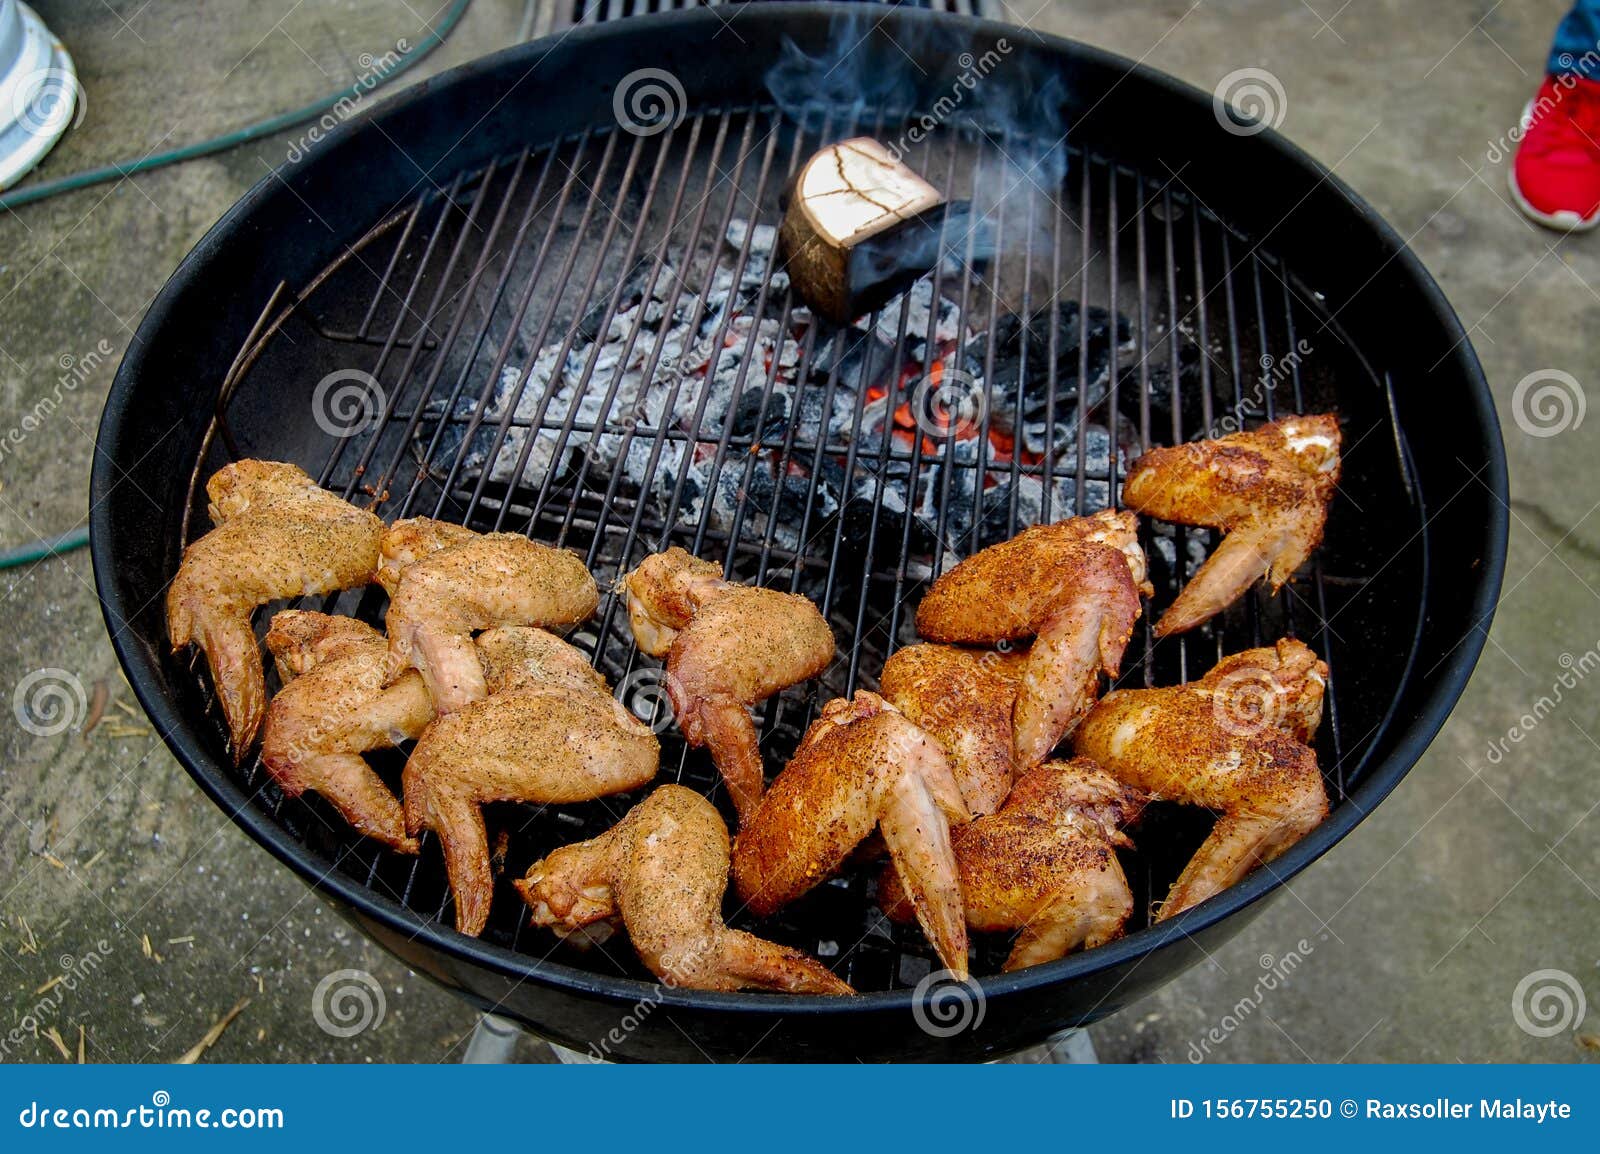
[[858, 227]]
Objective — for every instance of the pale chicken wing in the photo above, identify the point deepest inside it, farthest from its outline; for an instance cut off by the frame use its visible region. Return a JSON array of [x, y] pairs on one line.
[[332, 709], [728, 647], [543, 742], [1046, 864], [488, 579], [1268, 489], [514, 656], [408, 541], [861, 766], [1074, 586], [278, 535], [661, 871], [1235, 742], [964, 699]]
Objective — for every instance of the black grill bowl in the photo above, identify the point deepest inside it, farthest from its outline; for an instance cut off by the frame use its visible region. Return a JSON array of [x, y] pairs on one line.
[[1235, 232]]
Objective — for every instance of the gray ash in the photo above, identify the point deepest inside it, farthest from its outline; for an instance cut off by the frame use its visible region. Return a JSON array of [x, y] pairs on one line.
[[730, 423]]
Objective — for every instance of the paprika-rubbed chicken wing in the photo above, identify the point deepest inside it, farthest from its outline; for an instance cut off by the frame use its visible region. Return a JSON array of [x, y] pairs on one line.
[[661, 871], [861, 766], [547, 733], [1235, 741], [1074, 586], [332, 709], [278, 534], [1268, 489], [442, 595], [728, 647], [963, 698], [1046, 864]]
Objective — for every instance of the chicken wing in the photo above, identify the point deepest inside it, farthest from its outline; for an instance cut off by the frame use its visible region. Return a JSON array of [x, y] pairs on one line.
[[515, 656], [278, 535], [548, 741], [412, 539], [332, 709], [1046, 864], [963, 698], [661, 871], [1074, 586], [861, 766], [441, 597], [1234, 741], [728, 647], [1268, 489]]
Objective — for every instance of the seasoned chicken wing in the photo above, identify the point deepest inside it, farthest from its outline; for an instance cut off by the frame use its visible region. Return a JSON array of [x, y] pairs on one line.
[[1074, 586], [411, 540], [1268, 489], [445, 594], [861, 766], [552, 741], [728, 647], [278, 535], [964, 699], [1234, 741], [332, 709], [1046, 864], [661, 872], [515, 656]]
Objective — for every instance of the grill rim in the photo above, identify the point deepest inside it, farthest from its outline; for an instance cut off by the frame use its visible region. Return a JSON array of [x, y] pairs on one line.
[[143, 664]]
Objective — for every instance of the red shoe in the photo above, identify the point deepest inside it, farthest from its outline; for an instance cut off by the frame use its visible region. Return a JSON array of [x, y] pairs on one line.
[[1556, 175]]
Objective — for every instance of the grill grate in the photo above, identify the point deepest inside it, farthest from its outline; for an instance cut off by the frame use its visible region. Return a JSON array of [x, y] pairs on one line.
[[600, 11], [447, 305]]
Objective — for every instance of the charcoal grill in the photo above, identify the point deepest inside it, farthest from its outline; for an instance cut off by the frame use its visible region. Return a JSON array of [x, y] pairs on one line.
[[481, 255]]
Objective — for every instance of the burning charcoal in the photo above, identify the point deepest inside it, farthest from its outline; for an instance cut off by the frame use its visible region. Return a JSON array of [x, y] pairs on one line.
[[637, 287], [1008, 335], [768, 427], [763, 238], [1159, 378], [886, 544], [1175, 553], [863, 359], [997, 506], [947, 327], [857, 228]]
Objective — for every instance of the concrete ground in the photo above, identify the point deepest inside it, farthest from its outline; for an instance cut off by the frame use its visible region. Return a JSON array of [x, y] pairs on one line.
[[1450, 926]]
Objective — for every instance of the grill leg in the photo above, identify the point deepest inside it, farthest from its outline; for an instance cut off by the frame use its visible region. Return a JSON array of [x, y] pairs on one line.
[[1069, 1047], [493, 1042]]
